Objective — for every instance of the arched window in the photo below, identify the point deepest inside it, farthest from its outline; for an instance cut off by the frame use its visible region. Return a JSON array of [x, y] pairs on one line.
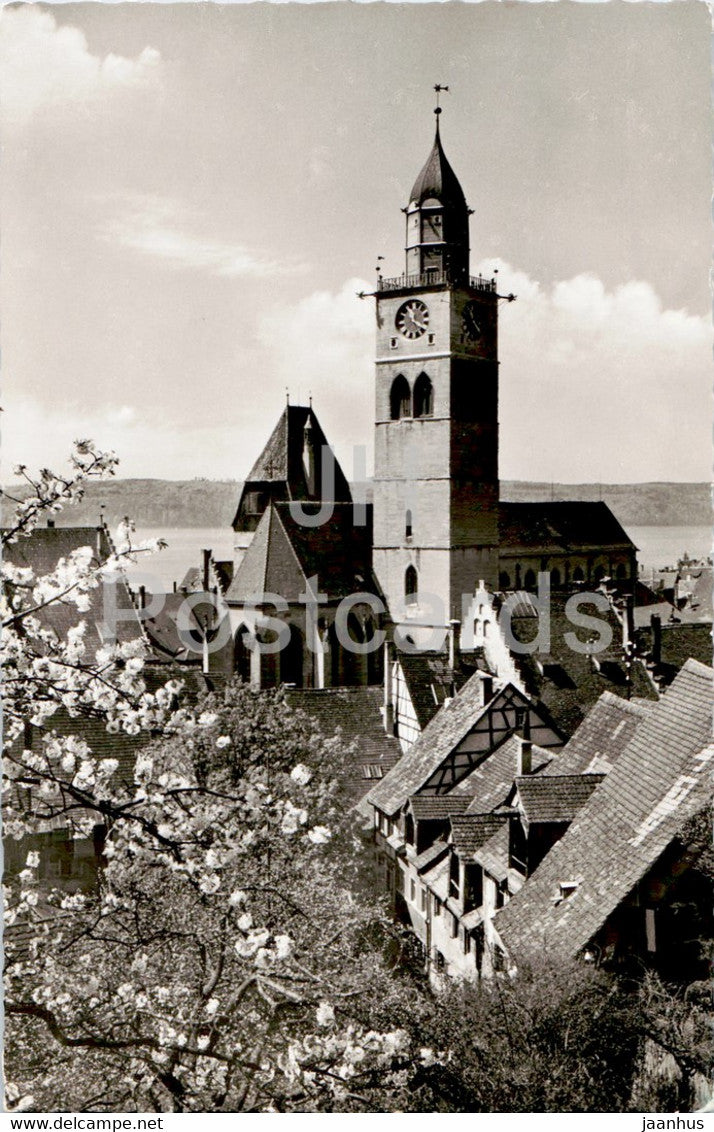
[[411, 583], [621, 572], [555, 577], [423, 397], [486, 628], [599, 573], [400, 398], [291, 659], [241, 655], [408, 525], [529, 580], [504, 580], [578, 575]]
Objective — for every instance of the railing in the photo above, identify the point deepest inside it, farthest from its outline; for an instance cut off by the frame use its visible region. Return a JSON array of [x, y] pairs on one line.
[[431, 278]]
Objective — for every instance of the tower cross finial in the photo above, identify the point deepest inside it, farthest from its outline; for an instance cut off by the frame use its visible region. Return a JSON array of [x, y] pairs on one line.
[[438, 87]]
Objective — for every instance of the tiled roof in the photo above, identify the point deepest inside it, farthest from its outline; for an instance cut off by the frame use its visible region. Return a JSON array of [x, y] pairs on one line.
[[559, 527], [163, 629], [438, 181], [493, 855], [437, 878], [570, 683], [679, 642], [490, 783], [555, 799], [436, 807], [430, 855], [601, 737], [283, 554], [430, 680], [470, 831], [661, 780], [356, 713], [442, 734]]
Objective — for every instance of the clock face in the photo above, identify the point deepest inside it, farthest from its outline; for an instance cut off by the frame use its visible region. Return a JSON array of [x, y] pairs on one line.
[[471, 322], [412, 318]]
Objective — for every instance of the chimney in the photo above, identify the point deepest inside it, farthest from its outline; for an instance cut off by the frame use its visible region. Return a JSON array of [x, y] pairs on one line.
[[142, 597], [486, 688], [628, 622], [524, 761], [206, 570], [388, 711], [656, 626], [454, 643]]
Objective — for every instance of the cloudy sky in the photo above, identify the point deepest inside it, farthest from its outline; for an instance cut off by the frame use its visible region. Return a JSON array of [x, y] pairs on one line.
[[193, 194]]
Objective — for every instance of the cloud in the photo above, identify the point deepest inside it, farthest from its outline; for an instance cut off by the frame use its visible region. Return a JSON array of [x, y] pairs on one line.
[[158, 227], [600, 384], [45, 67], [324, 345]]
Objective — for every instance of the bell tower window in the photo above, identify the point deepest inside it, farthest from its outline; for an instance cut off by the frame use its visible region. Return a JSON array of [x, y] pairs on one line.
[[400, 398], [423, 397], [408, 525], [411, 583]]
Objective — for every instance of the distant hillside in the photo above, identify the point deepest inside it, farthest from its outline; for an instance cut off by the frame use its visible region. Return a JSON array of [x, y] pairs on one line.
[[212, 503]]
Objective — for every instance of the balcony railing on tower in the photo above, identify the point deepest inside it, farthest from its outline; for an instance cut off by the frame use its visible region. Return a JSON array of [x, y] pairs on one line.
[[433, 278]]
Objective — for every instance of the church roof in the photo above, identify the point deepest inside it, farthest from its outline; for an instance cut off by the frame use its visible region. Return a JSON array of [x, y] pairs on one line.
[[560, 526], [280, 464], [437, 180], [284, 553]]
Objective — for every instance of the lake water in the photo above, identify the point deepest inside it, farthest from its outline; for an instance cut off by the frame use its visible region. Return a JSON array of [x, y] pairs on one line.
[[658, 547]]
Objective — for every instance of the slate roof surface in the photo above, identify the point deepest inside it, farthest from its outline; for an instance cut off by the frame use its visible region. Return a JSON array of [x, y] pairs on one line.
[[427, 858], [470, 832], [562, 526], [284, 553], [163, 628], [436, 807], [661, 780], [601, 737], [570, 684], [356, 713], [279, 468], [679, 642], [437, 180], [557, 798], [490, 783], [438, 739]]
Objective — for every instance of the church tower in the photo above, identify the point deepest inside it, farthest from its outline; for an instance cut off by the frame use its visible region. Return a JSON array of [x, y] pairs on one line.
[[436, 444]]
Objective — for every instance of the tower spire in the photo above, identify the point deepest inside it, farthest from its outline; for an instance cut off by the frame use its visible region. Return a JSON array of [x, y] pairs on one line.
[[438, 87]]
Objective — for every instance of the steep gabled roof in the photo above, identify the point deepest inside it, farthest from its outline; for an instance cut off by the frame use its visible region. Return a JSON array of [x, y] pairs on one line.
[[490, 784], [284, 554], [657, 784], [437, 180], [601, 737], [561, 526], [463, 731], [554, 799], [430, 679], [279, 469]]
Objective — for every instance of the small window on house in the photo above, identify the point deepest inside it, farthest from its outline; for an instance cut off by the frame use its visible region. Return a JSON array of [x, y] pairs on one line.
[[486, 628], [437, 906], [409, 829], [393, 343], [408, 525], [431, 338], [466, 943], [454, 873], [567, 888], [439, 961], [454, 926], [412, 890], [422, 898], [411, 583]]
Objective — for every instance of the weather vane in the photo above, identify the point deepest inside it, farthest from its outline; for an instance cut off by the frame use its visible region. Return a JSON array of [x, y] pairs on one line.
[[438, 87]]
